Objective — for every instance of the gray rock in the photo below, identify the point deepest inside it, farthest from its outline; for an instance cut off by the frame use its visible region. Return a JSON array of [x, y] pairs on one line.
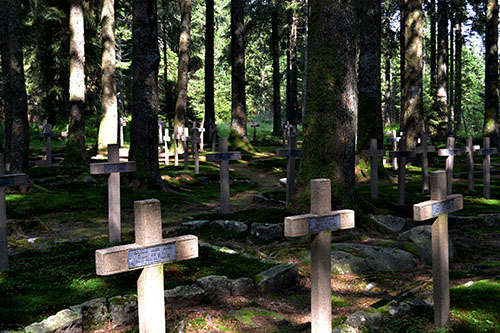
[[259, 198], [344, 329], [88, 179], [184, 296], [234, 226], [62, 322], [394, 223], [398, 310], [277, 278], [195, 225], [242, 287], [372, 320], [267, 231], [94, 313], [216, 287], [123, 310], [419, 239], [346, 263]]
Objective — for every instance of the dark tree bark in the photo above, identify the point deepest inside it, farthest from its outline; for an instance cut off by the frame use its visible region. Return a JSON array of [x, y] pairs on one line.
[[451, 57], [491, 74], [4, 54], [209, 65], [413, 113], [183, 67], [442, 71], [402, 50], [291, 69], [432, 14], [331, 112], [275, 51], [145, 61], [458, 71], [387, 49], [369, 99]]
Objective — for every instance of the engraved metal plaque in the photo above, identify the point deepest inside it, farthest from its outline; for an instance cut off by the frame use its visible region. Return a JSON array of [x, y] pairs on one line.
[[115, 167], [324, 223], [442, 207], [293, 153], [488, 151], [152, 255], [450, 152], [224, 156]]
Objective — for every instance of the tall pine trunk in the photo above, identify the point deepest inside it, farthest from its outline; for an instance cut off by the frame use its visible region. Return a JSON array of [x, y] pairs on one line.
[[291, 69], [451, 87], [458, 71], [491, 74], [209, 65], [432, 14], [4, 56], [442, 70], [275, 51], [183, 67]]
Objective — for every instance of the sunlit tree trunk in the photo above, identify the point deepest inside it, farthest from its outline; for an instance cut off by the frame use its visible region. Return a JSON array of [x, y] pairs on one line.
[[458, 71], [442, 69], [432, 14], [275, 51], [182, 73], [291, 70], [451, 57], [209, 65], [491, 73]]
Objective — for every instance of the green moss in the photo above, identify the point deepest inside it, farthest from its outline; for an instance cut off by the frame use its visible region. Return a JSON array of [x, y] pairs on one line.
[[236, 142], [410, 247]]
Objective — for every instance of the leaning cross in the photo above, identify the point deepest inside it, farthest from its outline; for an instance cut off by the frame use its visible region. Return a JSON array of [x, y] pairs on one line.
[[402, 154], [6, 181], [46, 135], [185, 138], [423, 149], [114, 167], [394, 139], [224, 157], [450, 152], [373, 153], [149, 253], [292, 153], [486, 151], [255, 125], [439, 206], [195, 141], [470, 149], [319, 223]]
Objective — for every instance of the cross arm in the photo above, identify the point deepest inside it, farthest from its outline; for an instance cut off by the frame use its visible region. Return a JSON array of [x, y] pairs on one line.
[[449, 152], [402, 154], [103, 168], [373, 153], [432, 208], [428, 149], [301, 225], [486, 151], [288, 153], [232, 155], [16, 179]]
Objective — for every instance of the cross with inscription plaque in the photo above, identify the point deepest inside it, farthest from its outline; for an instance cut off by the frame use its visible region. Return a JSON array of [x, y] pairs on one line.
[[470, 149], [450, 152], [394, 139], [486, 151], [255, 125], [166, 140], [402, 154], [47, 135], [123, 123], [185, 138], [196, 140], [17, 179], [149, 253], [292, 153], [424, 149], [319, 223], [439, 206], [374, 153], [114, 167], [177, 136], [224, 157]]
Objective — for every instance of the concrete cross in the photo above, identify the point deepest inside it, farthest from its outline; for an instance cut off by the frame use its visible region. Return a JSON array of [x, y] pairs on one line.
[[394, 139], [196, 140], [255, 125], [178, 131], [424, 149], [123, 123], [439, 206], [486, 151], [319, 223], [292, 153], [113, 167], [166, 140], [160, 131], [149, 253], [374, 153], [224, 157], [47, 135], [202, 131], [185, 138], [470, 149], [17, 179], [450, 152], [402, 154]]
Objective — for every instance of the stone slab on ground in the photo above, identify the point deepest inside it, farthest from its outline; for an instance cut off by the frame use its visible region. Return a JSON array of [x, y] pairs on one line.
[[65, 321], [267, 231], [94, 313], [217, 287], [393, 223], [123, 311], [277, 278], [184, 296], [419, 240]]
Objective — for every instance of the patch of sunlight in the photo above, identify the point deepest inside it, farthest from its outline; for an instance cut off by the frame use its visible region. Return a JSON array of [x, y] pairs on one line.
[[87, 284], [14, 197], [484, 201]]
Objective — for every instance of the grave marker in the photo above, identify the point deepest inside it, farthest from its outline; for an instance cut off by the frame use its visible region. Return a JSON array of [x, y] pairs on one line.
[[286, 132], [319, 223], [196, 141], [185, 138], [224, 157], [486, 151], [291, 153], [17, 179], [160, 131], [450, 152], [149, 253], [113, 167], [470, 149], [255, 125], [394, 139], [47, 135], [373, 153], [402, 154], [439, 206], [424, 149], [202, 131], [123, 123], [166, 140]]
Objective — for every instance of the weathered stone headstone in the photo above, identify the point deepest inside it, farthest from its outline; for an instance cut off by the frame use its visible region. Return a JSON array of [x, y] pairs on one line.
[[224, 157], [255, 125], [196, 140], [47, 135], [424, 149], [178, 132], [160, 131], [292, 153], [373, 153], [166, 140], [402, 154], [185, 146], [113, 167], [149, 253], [394, 139], [6, 181], [439, 206], [486, 151], [319, 223], [123, 123], [450, 152], [470, 149]]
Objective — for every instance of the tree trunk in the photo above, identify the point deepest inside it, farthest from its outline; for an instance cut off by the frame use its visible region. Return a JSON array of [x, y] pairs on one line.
[[369, 99], [145, 61], [4, 54], [75, 147], [387, 46], [291, 69], [275, 51], [432, 14], [458, 71], [331, 112], [491, 74], [108, 131], [402, 50], [442, 71], [183, 70], [451, 57], [413, 112], [387, 87], [209, 65]]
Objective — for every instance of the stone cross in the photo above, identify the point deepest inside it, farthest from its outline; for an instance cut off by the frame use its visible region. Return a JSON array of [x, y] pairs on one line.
[[424, 149], [149, 253], [185, 138], [286, 132], [47, 135], [486, 151], [319, 223], [394, 139], [196, 140], [374, 153], [212, 133], [439, 206], [255, 125], [113, 167], [450, 152], [123, 123], [292, 153], [402, 154], [224, 157], [17, 179], [160, 131], [177, 136], [470, 149], [201, 130]]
